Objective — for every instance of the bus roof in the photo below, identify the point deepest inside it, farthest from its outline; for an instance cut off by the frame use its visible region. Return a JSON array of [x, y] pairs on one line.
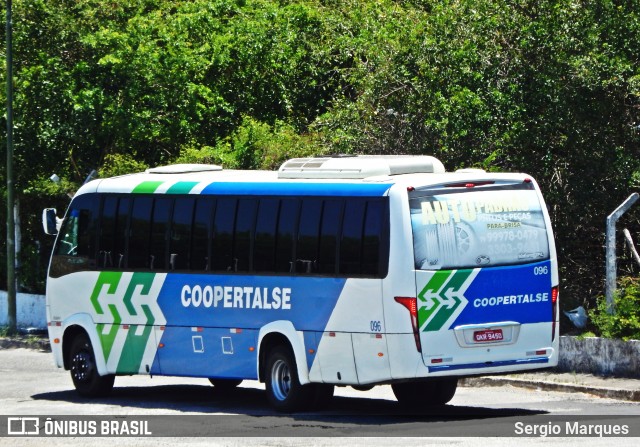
[[326, 176]]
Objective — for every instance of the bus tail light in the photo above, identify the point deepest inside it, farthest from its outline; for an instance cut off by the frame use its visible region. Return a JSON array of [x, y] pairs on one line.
[[554, 311], [411, 304]]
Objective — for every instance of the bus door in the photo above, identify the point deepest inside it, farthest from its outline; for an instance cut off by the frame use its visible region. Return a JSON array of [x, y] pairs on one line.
[[483, 275]]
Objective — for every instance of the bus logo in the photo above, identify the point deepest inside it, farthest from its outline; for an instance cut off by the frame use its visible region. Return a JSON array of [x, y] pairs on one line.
[[131, 300], [442, 298], [23, 426]]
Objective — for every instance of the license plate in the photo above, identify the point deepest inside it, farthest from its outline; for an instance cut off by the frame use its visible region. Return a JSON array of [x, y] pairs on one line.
[[488, 335]]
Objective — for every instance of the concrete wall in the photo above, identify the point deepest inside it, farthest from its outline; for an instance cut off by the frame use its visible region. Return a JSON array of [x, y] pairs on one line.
[[30, 310], [600, 356]]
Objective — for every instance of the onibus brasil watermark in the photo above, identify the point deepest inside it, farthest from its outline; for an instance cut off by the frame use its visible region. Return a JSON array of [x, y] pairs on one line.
[[48, 426]]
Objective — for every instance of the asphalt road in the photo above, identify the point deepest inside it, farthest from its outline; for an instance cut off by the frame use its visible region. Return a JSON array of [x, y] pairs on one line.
[[186, 407]]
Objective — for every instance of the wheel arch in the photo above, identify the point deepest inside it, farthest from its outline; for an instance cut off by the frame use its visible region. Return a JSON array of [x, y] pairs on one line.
[[77, 325], [282, 333]]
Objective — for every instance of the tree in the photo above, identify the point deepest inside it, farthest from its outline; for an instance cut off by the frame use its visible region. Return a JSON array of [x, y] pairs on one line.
[[548, 87]]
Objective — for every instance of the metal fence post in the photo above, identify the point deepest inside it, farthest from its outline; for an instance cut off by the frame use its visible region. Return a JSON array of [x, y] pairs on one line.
[[611, 260]]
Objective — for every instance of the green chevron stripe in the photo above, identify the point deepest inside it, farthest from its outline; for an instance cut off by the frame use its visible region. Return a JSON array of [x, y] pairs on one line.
[[434, 284], [458, 279], [135, 345], [147, 187], [138, 279], [106, 340], [439, 314], [182, 188], [112, 279], [441, 317]]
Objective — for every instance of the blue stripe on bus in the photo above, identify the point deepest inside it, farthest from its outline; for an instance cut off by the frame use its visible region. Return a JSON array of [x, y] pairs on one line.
[[298, 189], [512, 293], [207, 352], [311, 341], [214, 303], [530, 361]]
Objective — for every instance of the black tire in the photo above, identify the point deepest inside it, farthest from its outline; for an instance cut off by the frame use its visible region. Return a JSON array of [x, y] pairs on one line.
[[362, 387], [284, 391], [323, 394], [225, 384], [84, 372], [425, 394]]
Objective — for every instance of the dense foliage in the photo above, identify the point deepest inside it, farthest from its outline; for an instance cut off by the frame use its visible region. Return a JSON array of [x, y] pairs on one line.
[[549, 87], [624, 323]]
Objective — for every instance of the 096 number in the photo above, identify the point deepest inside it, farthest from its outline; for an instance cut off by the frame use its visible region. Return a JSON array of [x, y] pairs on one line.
[[541, 270], [376, 326]]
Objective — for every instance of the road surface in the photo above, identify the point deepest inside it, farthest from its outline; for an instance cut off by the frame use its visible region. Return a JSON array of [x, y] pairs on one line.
[[186, 408]]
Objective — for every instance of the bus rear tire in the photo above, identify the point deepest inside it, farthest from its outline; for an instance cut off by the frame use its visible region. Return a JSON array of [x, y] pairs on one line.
[[425, 394], [84, 371], [225, 384], [284, 391], [323, 394]]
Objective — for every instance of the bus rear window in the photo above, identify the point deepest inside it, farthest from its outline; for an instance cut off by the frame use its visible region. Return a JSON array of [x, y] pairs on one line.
[[480, 228]]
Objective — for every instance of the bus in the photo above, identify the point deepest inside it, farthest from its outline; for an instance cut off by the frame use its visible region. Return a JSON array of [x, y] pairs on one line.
[[332, 271]]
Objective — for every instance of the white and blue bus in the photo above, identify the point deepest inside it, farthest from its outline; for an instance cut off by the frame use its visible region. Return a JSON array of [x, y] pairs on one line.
[[332, 271]]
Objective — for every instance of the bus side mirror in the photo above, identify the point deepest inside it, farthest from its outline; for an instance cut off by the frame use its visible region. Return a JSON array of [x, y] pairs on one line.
[[50, 221]]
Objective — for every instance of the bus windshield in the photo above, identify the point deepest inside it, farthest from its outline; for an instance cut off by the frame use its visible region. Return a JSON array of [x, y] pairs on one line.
[[502, 225]]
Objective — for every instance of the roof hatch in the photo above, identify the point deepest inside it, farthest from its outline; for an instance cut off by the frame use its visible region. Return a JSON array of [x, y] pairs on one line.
[[359, 167]]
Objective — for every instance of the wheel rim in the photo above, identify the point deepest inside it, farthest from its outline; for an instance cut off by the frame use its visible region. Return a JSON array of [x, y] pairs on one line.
[[280, 379], [82, 366]]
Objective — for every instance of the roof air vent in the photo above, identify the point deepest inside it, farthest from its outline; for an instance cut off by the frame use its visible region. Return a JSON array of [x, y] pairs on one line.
[[359, 167]]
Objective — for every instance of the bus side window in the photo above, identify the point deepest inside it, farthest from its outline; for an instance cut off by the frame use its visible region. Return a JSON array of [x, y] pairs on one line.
[[243, 235], [106, 239], [371, 242], [68, 241], [76, 246], [162, 208], [308, 236], [264, 251], [138, 247], [202, 233], [121, 233], [222, 246], [181, 233], [285, 235], [351, 243], [329, 232]]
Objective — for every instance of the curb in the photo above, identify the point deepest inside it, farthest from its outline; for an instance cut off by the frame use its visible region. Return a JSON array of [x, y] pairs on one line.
[[611, 393]]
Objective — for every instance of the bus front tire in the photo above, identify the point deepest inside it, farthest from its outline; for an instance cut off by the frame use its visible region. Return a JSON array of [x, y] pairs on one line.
[[416, 395], [84, 371], [284, 391]]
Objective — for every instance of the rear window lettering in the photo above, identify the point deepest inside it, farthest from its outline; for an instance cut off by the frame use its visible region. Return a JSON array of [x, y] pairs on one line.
[[478, 229]]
